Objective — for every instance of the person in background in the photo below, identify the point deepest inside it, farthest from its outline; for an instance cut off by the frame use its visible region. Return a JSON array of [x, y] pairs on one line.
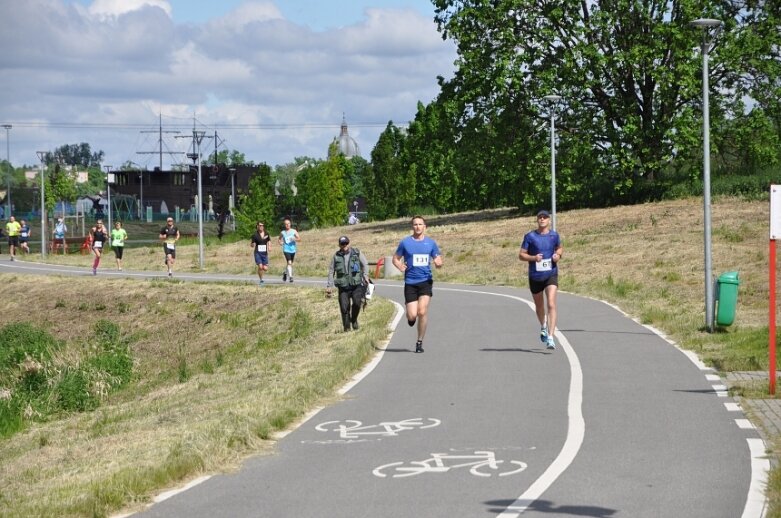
[[348, 271], [261, 244], [60, 228], [170, 235], [24, 236], [289, 239], [118, 238], [13, 229], [99, 237]]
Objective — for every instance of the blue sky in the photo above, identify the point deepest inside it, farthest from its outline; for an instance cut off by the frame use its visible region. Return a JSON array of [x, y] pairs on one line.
[[274, 77]]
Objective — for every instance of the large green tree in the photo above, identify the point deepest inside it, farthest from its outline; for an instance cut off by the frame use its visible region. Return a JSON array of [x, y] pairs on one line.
[[391, 187], [629, 73], [324, 191], [257, 204]]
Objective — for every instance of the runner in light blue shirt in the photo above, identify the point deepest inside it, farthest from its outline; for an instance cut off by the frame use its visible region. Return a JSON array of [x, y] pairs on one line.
[[289, 239], [414, 257]]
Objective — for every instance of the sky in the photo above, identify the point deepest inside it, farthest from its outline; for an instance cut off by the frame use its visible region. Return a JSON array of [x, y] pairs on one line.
[[273, 78]]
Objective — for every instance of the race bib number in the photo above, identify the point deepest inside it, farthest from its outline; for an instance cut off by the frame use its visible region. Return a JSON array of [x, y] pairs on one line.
[[24, 234], [420, 259], [545, 265], [170, 246], [261, 248], [97, 244]]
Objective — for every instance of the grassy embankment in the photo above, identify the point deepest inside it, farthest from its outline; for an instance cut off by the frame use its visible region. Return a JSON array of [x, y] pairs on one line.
[[647, 259]]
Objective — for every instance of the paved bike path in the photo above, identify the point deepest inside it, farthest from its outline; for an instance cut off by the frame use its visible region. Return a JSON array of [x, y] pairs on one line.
[[657, 438]]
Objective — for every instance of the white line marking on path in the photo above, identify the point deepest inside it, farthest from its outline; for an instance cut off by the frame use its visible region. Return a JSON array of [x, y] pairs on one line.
[[756, 504], [732, 407], [744, 424], [712, 377], [576, 428]]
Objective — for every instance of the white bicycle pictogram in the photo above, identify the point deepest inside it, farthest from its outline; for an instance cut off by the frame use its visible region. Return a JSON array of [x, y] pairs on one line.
[[481, 464], [351, 429]]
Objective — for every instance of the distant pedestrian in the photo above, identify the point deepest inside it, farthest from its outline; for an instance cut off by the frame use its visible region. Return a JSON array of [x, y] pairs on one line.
[[118, 238], [170, 235], [414, 257], [289, 240], [25, 233], [541, 249], [13, 229], [261, 245], [99, 236], [348, 271], [60, 228]]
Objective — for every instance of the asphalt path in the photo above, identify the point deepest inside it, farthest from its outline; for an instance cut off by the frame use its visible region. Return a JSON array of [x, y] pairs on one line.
[[616, 422]]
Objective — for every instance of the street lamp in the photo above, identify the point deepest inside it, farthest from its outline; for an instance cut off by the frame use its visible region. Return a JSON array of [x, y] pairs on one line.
[[232, 204], [706, 24], [42, 158], [553, 100], [8, 172], [109, 179], [197, 138]]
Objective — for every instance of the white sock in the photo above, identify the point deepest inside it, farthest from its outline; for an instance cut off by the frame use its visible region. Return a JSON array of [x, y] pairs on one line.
[[289, 271]]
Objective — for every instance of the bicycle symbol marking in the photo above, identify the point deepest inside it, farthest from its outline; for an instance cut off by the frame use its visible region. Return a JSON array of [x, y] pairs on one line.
[[481, 464], [351, 429]]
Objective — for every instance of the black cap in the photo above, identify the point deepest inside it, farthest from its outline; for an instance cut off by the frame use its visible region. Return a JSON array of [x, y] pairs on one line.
[[344, 240], [543, 213]]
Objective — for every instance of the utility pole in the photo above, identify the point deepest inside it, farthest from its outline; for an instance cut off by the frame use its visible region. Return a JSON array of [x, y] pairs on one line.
[[198, 137], [160, 132], [8, 165], [42, 158], [108, 191]]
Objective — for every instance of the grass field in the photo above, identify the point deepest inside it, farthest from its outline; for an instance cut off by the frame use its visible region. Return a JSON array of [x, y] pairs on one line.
[[200, 403]]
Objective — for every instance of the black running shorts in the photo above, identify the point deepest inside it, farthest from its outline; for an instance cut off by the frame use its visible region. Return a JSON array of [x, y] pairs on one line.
[[413, 292], [538, 286]]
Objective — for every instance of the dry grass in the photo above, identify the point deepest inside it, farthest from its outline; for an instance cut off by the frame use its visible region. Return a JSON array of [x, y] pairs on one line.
[[219, 368]]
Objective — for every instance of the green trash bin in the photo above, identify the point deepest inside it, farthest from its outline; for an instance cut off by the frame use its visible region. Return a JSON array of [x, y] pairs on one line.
[[727, 298]]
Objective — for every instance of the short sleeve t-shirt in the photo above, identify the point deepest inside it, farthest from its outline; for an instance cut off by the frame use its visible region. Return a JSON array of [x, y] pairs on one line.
[[118, 237], [535, 243], [170, 234], [417, 256], [289, 244], [261, 243]]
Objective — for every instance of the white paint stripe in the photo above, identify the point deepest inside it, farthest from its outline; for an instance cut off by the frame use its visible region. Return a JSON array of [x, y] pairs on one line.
[[744, 424], [168, 494], [732, 407], [756, 503], [576, 428], [712, 377], [719, 388]]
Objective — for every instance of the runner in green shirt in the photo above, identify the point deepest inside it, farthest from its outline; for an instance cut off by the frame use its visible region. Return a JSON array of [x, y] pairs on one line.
[[118, 238]]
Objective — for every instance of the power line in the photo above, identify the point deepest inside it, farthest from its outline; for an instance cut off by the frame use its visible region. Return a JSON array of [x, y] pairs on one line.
[[223, 126]]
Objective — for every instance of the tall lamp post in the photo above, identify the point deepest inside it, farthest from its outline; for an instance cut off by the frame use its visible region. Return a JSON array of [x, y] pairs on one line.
[[42, 158], [197, 138], [109, 179], [232, 204], [8, 172], [708, 35], [553, 100]]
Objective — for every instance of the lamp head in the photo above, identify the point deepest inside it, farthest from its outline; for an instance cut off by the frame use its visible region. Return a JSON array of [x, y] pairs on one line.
[[706, 23], [552, 98]]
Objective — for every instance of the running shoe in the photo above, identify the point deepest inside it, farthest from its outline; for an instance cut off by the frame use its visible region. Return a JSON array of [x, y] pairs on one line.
[[291, 278], [550, 344], [544, 334], [170, 274], [13, 258], [284, 277], [94, 271], [261, 282], [419, 346]]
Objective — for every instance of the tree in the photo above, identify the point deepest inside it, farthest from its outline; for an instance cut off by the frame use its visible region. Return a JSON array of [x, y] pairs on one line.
[[75, 155], [60, 187], [326, 204], [257, 204], [392, 189], [628, 72]]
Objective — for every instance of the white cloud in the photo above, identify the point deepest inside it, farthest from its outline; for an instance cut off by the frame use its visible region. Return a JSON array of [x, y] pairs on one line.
[[124, 62], [114, 8]]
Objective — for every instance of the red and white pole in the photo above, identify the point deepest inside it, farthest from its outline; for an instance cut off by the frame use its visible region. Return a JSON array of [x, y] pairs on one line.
[[775, 233]]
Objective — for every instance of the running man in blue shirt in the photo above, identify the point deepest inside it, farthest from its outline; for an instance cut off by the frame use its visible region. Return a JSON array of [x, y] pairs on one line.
[[414, 257], [542, 249]]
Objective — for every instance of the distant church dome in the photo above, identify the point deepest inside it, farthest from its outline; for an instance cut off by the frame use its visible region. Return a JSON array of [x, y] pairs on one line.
[[345, 143]]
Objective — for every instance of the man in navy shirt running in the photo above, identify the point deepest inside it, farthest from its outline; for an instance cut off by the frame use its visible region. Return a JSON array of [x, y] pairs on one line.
[[542, 249], [414, 257]]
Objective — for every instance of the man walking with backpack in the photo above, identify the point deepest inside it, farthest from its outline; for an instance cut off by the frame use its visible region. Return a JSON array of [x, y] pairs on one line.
[[348, 271]]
